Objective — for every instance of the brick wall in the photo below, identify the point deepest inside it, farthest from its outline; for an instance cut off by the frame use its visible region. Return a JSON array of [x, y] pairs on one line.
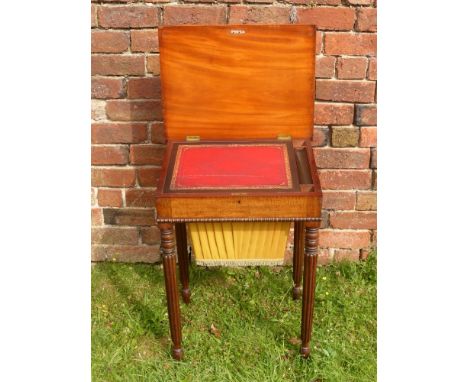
[[128, 136]]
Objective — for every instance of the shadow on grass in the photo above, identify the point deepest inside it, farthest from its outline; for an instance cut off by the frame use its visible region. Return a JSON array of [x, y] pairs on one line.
[[146, 316], [152, 319]]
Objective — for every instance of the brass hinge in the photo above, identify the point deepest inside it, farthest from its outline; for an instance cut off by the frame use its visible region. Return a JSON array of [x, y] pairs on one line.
[[192, 138], [284, 137]]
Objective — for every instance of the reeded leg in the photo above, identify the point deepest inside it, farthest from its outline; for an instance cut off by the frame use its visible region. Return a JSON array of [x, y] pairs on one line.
[[298, 258], [184, 261], [169, 264], [310, 267]]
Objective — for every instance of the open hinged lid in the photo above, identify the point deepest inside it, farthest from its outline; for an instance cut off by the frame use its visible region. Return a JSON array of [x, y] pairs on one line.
[[238, 81]]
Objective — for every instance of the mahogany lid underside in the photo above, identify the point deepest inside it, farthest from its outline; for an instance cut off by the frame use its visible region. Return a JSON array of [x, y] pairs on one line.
[[237, 81]]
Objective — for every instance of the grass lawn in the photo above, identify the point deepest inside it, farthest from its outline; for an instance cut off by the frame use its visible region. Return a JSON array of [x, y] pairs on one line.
[[256, 325]]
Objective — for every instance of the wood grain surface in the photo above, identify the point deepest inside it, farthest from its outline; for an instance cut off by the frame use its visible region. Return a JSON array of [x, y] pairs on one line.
[[238, 82]]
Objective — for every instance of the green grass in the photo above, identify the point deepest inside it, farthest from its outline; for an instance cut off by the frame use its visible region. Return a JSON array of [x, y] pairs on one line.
[[259, 325]]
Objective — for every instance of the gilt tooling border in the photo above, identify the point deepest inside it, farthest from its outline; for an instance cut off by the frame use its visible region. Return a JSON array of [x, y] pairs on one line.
[[173, 150], [183, 147]]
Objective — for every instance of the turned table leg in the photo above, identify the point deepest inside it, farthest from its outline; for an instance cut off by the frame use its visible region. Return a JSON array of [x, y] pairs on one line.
[[169, 264], [183, 257], [298, 258], [310, 267]]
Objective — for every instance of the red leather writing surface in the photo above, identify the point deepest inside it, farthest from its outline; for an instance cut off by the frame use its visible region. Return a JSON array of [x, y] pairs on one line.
[[231, 166]]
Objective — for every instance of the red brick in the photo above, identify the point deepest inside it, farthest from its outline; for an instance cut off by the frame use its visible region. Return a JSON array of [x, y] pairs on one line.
[[323, 256], [123, 110], [366, 20], [129, 216], [146, 154], [118, 132], [264, 1], [373, 161], [365, 253], [243, 14], [318, 42], [327, 2], [333, 114], [353, 220], [327, 157], [345, 179], [152, 64], [96, 217], [158, 134], [327, 18], [325, 67], [110, 198], [372, 71], [98, 110], [105, 87], [107, 155], [368, 136], [324, 216], [145, 87], [145, 41], [351, 68], [113, 177], [345, 91], [345, 136], [374, 180], [128, 16], [360, 2], [148, 176], [366, 201], [116, 64], [374, 239], [346, 255], [109, 41], [138, 197], [150, 235], [126, 253], [344, 239], [188, 14], [320, 136], [298, 2], [114, 235], [201, 1], [339, 200], [157, 1], [93, 196], [365, 115], [93, 16], [351, 44]]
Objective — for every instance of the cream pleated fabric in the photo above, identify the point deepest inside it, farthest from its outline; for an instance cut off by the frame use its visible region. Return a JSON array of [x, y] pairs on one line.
[[243, 243]]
